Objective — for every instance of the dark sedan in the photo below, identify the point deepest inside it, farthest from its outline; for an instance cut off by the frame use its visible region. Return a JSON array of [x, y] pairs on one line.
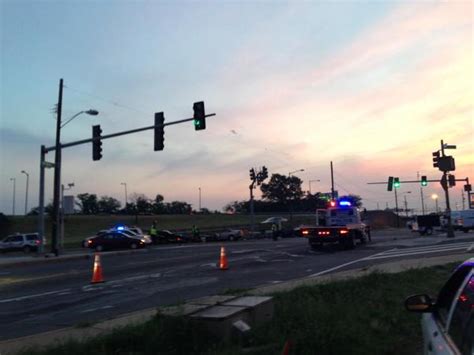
[[114, 240], [166, 236]]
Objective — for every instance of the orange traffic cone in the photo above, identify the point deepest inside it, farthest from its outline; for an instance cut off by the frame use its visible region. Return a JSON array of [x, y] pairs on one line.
[[286, 348], [97, 272], [223, 264]]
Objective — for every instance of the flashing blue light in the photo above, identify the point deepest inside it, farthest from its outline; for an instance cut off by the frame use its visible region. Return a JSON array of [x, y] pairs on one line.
[[345, 203], [120, 228]]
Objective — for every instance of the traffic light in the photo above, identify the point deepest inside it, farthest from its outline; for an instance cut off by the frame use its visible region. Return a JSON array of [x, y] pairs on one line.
[[159, 131], [396, 183], [264, 172], [390, 183], [467, 187], [96, 143], [424, 181], [451, 180], [252, 174], [199, 116], [435, 159]]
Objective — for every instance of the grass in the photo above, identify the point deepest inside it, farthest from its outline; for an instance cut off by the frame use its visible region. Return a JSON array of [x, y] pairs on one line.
[[359, 316], [78, 227]]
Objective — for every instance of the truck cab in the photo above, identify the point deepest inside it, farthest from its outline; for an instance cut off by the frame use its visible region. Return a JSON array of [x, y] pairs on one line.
[[339, 223]]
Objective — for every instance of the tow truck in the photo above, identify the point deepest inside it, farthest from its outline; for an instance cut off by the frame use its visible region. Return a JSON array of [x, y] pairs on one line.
[[339, 223]]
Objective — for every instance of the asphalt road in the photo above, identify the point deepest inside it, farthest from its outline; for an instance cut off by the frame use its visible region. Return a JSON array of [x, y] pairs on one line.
[[44, 296]]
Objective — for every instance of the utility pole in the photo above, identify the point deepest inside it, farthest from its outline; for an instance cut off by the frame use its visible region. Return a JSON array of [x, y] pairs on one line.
[[57, 174], [126, 201], [332, 184], [463, 200], [26, 193]]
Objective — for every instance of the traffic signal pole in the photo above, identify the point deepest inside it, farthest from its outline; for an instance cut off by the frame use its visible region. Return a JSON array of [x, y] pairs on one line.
[[57, 168], [450, 232], [396, 207]]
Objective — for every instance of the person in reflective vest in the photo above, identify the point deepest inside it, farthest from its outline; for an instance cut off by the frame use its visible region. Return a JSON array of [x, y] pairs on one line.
[[154, 233], [195, 232]]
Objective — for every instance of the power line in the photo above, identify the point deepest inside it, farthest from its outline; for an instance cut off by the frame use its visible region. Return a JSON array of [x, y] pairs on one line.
[[109, 101]]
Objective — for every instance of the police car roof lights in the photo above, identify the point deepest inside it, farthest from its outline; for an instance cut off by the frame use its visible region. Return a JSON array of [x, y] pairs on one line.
[[345, 203]]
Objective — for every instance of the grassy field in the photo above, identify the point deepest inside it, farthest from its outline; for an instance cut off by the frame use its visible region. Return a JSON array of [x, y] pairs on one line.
[[360, 316], [78, 227]]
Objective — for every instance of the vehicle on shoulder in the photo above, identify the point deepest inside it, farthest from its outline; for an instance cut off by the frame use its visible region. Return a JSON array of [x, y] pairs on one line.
[[448, 321], [229, 234], [26, 242], [165, 236], [114, 240], [463, 220]]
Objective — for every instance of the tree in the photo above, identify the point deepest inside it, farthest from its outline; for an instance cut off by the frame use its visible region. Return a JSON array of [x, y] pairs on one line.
[[158, 207], [108, 205], [178, 207], [88, 203], [282, 189]]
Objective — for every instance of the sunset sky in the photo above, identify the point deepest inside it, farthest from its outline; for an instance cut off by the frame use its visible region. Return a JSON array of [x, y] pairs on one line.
[[371, 85]]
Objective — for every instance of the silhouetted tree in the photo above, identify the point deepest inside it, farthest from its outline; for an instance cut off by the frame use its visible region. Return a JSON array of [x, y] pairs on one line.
[[88, 203], [282, 189], [108, 205]]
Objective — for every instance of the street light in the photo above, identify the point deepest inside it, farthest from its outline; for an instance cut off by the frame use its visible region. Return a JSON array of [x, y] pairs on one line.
[[310, 181], [290, 204], [125, 184], [13, 202], [296, 171], [26, 193], [435, 197], [406, 204], [70, 186]]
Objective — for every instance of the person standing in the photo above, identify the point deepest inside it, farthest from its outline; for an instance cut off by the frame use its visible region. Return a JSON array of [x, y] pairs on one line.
[[154, 233]]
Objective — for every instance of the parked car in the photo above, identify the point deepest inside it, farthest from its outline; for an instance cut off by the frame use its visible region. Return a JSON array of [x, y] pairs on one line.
[[166, 236], [448, 321], [85, 242], [114, 240], [229, 234], [26, 242]]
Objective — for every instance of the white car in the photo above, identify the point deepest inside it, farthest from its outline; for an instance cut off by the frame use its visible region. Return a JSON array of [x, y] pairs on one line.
[[25, 242], [448, 322]]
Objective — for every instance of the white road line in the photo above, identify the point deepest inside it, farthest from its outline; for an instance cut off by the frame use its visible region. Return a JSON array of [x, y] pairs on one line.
[[344, 265], [433, 247], [413, 253], [33, 296]]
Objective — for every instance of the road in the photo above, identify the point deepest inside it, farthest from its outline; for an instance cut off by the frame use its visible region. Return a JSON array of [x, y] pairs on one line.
[[45, 296]]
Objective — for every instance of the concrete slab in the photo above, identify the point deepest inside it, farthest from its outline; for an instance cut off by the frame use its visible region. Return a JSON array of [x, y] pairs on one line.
[[219, 320], [212, 300], [259, 308], [182, 310]]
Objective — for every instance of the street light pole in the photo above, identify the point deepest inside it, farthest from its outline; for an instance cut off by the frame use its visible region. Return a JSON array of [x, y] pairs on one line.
[[310, 181], [26, 193], [435, 197], [199, 199], [290, 204], [406, 204], [70, 186], [14, 191], [125, 185]]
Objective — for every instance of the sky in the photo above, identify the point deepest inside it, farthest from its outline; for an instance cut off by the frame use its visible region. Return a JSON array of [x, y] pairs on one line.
[[373, 86]]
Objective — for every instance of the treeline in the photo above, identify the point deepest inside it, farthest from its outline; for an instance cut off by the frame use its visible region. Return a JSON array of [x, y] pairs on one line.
[[90, 204]]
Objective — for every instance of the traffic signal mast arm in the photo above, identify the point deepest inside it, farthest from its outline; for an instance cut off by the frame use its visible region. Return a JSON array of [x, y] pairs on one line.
[[112, 135], [411, 181]]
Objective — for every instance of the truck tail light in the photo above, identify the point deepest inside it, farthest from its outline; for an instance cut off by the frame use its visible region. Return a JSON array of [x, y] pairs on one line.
[[305, 232], [344, 231], [324, 232]]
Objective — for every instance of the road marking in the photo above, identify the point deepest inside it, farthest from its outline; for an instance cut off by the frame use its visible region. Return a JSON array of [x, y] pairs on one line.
[[33, 296], [409, 252], [96, 309], [344, 265], [434, 247], [5, 273]]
